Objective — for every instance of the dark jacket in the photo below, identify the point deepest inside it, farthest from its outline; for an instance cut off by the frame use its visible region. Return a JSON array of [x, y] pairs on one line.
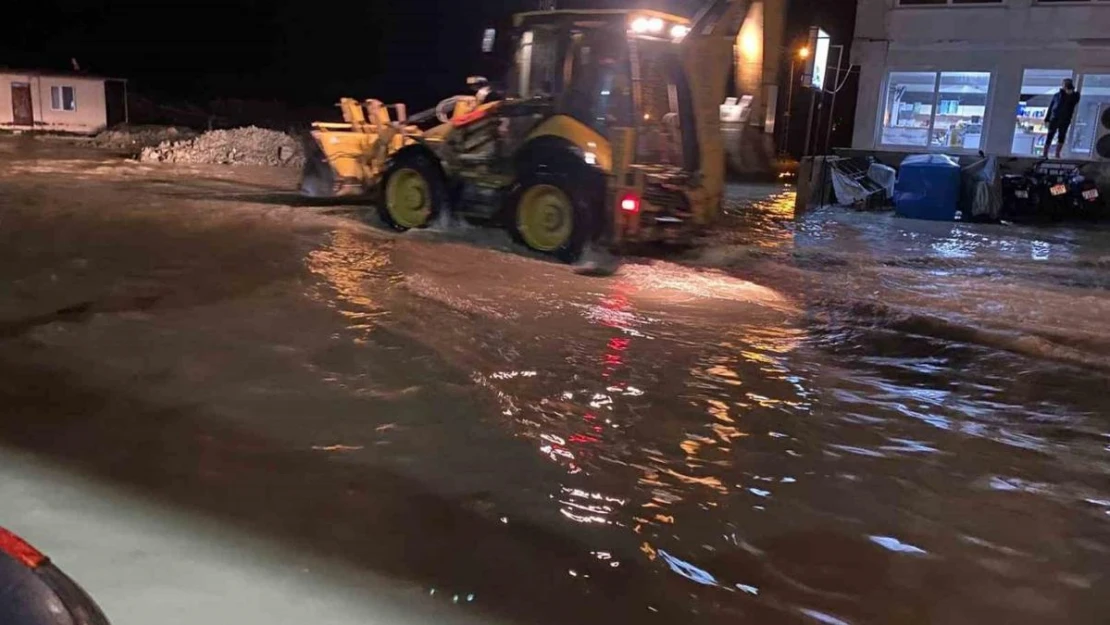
[[1062, 109]]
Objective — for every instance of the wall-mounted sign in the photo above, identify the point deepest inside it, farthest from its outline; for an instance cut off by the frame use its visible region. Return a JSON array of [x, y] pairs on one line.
[[818, 63]]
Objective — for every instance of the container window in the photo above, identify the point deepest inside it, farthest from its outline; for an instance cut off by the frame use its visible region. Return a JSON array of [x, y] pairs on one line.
[[960, 110], [63, 98], [935, 109], [908, 108]]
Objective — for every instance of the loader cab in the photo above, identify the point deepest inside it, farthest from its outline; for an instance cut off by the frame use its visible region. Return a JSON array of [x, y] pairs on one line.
[[618, 72]]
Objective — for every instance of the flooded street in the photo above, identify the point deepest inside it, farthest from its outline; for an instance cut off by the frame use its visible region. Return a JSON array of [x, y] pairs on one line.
[[222, 405]]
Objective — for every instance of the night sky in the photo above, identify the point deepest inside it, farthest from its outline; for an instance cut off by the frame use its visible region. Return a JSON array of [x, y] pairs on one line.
[[299, 52]]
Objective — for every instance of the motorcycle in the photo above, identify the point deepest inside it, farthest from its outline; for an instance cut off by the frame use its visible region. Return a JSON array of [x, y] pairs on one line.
[[34, 591], [1051, 191]]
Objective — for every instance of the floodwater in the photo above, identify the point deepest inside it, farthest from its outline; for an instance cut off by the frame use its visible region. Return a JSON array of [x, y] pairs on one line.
[[827, 418]]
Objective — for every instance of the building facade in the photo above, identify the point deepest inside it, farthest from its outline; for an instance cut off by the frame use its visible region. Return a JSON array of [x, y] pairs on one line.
[[757, 56], [959, 76], [58, 102]]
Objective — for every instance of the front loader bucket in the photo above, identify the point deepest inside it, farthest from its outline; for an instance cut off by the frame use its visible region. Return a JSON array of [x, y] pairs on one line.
[[318, 178], [340, 162]]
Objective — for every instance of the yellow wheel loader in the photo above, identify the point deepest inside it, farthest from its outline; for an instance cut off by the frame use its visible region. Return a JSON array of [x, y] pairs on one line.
[[349, 158], [608, 133]]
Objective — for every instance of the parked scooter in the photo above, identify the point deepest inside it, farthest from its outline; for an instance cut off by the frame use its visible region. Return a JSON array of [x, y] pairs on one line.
[[1051, 191], [33, 591], [1086, 200]]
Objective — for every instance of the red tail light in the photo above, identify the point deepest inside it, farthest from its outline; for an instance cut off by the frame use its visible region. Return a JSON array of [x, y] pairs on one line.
[[630, 203], [17, 548]]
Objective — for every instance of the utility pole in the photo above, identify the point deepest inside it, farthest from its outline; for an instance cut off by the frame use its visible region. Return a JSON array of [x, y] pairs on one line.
[[803, 54], [809, 122], [838, 82]]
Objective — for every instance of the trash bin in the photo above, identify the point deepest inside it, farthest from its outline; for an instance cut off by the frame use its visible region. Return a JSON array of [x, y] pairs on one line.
[[928, 187]]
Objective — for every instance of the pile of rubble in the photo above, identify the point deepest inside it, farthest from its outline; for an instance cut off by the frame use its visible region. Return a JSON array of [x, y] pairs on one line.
[[139, 137], [239, 146]]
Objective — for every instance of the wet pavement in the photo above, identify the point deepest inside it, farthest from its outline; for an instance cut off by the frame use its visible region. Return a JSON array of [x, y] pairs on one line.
[[223, 405]]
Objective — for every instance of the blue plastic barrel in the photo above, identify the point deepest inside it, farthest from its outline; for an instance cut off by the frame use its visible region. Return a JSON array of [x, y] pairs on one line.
[[928, 187]]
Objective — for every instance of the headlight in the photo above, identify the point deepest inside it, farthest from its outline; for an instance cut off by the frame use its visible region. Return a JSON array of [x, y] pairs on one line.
[[644, 24]]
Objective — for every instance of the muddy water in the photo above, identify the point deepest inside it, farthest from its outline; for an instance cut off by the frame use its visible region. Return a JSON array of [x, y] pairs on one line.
[[770, 448], [828, 418]]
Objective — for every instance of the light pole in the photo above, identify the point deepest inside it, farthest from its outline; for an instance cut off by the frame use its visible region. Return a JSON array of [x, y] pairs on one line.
[[819, 39], [809, 122], [803, 54], [836, 89]]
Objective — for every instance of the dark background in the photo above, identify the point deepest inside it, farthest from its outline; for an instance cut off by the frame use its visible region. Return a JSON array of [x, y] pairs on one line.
[[301, 54]]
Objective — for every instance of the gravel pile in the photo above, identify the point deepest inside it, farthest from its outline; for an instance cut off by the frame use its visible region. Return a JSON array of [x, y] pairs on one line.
[[239, 146], [138, 137]]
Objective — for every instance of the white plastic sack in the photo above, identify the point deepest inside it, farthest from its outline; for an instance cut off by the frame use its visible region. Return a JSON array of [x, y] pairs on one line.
[[848, 191], [883, 176]]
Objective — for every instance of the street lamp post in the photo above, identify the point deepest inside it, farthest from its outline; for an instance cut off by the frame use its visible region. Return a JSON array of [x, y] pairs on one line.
[[803, 54], [815, 37], [809, 122], [836, 89]]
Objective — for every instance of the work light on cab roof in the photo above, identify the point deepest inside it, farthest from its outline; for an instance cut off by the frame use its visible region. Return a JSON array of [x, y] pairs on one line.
[[655, 26]]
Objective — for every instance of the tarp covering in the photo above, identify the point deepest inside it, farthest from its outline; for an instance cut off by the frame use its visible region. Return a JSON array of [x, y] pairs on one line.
[[848, 191], [884, 176], [982, 189]]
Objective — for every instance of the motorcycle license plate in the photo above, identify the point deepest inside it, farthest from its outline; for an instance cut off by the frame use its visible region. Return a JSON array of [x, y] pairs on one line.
[[1090, 195], [1021, 194], [1058, 189]]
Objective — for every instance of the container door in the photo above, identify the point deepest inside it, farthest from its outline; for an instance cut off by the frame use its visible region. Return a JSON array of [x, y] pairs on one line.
[[22, 113]]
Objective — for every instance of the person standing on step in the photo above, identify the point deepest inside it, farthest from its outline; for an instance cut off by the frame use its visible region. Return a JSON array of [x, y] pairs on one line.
[[1060, 113]]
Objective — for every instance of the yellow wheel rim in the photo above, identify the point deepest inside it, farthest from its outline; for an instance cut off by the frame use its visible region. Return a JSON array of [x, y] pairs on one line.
[[408, 198], [545, 218]]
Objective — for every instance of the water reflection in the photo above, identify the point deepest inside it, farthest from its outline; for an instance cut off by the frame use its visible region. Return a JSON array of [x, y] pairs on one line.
[[821, 617], [687, 570], [585, 507], [893, 544], [827, 467], [760, 216], [764, 457], [349, 266], [667, 434]]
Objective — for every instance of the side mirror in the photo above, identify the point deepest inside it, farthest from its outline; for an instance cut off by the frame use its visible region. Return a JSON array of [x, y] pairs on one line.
[[488, 39]]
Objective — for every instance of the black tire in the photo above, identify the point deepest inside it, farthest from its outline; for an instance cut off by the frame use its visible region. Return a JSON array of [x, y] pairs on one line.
[[424, 164]]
